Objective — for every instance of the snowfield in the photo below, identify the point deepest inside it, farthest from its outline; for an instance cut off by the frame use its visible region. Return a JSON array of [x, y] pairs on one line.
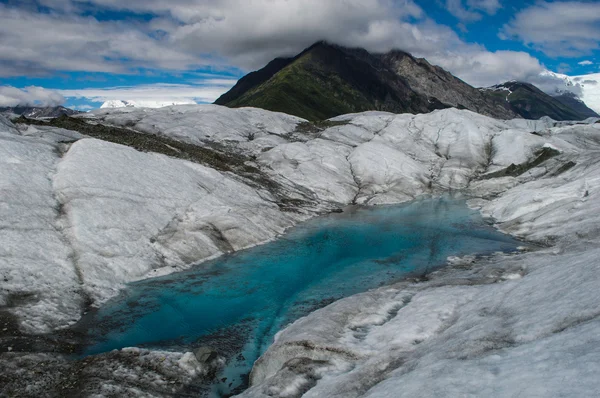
[[589, 86], [81, 217], [142, 103]]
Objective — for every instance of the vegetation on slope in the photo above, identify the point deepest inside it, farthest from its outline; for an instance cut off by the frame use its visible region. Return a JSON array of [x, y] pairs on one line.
[[305, 90], [326, 81]]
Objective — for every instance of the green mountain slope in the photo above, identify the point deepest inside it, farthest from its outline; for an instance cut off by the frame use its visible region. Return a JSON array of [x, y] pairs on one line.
[[325, 81]]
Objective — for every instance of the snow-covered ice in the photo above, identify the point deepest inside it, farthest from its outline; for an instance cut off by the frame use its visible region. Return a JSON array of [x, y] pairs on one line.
[[252, 129], [129, 213], [522, 325], [36, 260], [142, 103], [122, 215], [475, 332], [81, 217]]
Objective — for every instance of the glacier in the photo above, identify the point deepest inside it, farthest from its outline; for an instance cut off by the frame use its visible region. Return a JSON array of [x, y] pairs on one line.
[[82, 217], [142, 103]]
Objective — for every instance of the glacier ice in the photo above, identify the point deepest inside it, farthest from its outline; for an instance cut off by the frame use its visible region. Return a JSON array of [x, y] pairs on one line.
[[81, 217]]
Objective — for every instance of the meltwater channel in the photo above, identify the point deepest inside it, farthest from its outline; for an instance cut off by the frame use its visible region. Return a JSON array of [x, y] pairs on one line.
[[236, 303]]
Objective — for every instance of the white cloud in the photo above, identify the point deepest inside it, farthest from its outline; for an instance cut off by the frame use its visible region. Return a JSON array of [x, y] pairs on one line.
[[186, 33], [29, 96], [482, 68], [37, 43], [566, 29], [182, 34], [585, 63], [563, 67], [553, 83], [488, 6], [251, 33], [208, 92], [82, 107], [472, 10]]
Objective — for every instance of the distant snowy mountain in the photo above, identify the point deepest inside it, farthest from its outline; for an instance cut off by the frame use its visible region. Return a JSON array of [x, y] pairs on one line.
[[586, 87], [143, 104], [37, 111], [530, 102]]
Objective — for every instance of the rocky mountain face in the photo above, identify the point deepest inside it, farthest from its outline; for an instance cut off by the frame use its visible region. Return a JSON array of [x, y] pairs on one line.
[[38, 112], [572, 101], [586, 87], [532, 103], [327, 80], [435, 82]]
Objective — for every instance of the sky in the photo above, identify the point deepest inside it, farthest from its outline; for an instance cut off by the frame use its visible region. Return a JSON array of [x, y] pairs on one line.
[[80, 53]]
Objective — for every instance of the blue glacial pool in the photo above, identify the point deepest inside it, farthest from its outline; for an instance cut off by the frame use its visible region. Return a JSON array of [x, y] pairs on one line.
[[238, 302]]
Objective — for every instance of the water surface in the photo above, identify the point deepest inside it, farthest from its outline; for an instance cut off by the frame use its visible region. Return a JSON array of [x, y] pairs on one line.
[[237, 302]]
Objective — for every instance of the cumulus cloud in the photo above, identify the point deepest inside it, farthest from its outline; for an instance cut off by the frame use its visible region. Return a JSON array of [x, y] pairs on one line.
[[552, 83], [250, 33], [471, 10], [37, 43], [563, 67], [29, 96], [482, 68], [183, 34], [488, 6], [567, 29], [208, 92], [585, 63], [83, 108]]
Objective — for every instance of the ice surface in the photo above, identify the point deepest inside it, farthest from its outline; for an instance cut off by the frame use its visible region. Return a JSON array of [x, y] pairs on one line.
[[463, 333], [258, 291], [509, 326], [250, 128], [142, 104], [126, 215], [131, 212], [81, 219]]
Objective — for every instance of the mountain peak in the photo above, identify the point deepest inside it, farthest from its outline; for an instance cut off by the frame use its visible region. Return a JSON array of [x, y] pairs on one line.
[[532, 103], [327, 80]]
